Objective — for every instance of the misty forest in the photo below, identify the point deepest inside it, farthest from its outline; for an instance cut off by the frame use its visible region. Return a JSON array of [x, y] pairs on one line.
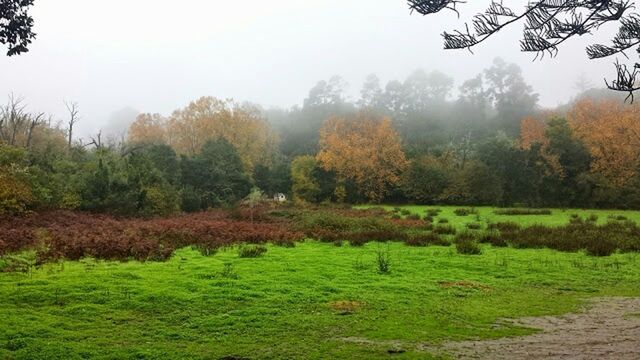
[[428, 215]]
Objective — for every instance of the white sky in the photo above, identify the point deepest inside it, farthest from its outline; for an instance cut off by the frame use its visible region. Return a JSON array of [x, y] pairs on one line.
[[156, 56]]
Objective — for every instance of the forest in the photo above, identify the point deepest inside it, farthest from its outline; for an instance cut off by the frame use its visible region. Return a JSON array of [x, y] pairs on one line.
[[417, 141]]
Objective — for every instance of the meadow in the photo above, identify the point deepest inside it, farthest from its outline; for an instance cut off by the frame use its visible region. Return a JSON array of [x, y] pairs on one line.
[[314, 300]]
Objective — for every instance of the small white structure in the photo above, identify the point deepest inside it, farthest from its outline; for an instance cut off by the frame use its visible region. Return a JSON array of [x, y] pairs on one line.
[[279, 197]]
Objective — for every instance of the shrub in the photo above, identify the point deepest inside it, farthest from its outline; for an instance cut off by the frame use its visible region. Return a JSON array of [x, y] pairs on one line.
[[383, 261], [433, 212], [426, 240], [506, 226], [444, 229], [466, 244], [604, 247], [70, 235], [229, 271], [443, 221], [593, 218], [413, 217], [494, 238], [362, 237], [522, 211], [465, 211], [474, 226], [251, 251], [617, 217]]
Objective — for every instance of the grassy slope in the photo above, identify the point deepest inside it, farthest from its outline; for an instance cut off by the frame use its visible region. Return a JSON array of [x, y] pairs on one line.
[[278, 307]]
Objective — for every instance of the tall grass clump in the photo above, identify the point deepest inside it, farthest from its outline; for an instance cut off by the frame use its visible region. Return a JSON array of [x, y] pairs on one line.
[[465, 211], [522, 211], [251, 251], [383, 261], [427, 239], [467, 244]]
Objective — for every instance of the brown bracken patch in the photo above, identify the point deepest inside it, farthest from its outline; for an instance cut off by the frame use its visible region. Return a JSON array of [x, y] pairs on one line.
[[345, 307]]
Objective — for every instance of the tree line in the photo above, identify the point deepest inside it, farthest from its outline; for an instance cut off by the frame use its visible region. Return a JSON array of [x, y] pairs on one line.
[[419, 140]]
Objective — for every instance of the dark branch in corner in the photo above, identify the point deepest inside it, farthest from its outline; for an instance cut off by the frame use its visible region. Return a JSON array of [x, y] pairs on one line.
[[548, 24]]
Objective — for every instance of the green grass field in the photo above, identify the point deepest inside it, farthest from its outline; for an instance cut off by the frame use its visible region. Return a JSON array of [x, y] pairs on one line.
[[486, 215], [314, 301]]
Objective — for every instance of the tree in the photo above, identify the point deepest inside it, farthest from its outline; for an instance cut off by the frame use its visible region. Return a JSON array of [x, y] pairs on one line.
[[612, 133], [17, 127], [474, 184], [305, 187], [547, 25], [214, 177], [16, 26], [149, 129], [209, 118], [327, 92], [16, 195], [426, 179], [512, 97], [363, 148], [571, 160], [72, 108], [371, 93]]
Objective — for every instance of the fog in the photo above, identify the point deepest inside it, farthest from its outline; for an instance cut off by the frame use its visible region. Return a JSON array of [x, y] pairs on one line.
[[118, 57]]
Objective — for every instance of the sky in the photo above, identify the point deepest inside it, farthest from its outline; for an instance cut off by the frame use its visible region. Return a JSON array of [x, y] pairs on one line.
[[120, 56]]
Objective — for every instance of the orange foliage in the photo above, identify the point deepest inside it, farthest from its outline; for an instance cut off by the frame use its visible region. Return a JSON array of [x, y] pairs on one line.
[[611, 130], [208, 118], [148, 128], [365, 149], [532, 132]]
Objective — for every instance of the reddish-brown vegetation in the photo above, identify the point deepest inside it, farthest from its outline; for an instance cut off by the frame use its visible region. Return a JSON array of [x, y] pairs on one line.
[[73, 235]]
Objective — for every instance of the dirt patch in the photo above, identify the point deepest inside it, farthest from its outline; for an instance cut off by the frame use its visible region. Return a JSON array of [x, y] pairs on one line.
[[605, 329]]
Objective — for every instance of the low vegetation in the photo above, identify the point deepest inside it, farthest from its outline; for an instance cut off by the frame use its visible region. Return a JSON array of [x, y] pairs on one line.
[[523, 211], [316, 296]]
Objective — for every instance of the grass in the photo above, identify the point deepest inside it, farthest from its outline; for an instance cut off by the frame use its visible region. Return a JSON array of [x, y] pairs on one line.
[[486, 214], [293, 303]]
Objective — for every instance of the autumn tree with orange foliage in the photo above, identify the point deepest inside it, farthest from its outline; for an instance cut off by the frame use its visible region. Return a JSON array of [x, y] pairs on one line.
[[611, 131], [533, 133], [208, 118], [148, 128], [365, 149]]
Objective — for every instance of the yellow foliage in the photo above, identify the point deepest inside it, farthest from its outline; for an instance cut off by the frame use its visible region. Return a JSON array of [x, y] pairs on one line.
[[15, 195], [208, 118], [611, 130], [365, 149]]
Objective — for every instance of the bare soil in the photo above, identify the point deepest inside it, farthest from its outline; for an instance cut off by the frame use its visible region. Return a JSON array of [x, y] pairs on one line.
[[607, 328]]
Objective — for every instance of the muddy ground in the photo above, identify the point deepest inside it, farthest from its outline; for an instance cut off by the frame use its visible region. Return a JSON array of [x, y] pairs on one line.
[[607, 328]]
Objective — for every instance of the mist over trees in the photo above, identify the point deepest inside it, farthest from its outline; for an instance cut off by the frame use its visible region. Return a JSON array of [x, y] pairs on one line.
[[423, 139]]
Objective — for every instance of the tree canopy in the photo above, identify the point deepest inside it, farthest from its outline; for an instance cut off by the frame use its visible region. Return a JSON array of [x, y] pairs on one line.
[[16, 26]]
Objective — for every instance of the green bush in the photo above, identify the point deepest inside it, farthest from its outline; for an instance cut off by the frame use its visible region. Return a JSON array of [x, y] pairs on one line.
[[522, 211], [251, 251], [426, 240], [465, 211], [466, 244], [444, 229]]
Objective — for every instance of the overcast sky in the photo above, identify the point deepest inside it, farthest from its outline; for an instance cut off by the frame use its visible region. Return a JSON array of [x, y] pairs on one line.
[[156, 56]]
